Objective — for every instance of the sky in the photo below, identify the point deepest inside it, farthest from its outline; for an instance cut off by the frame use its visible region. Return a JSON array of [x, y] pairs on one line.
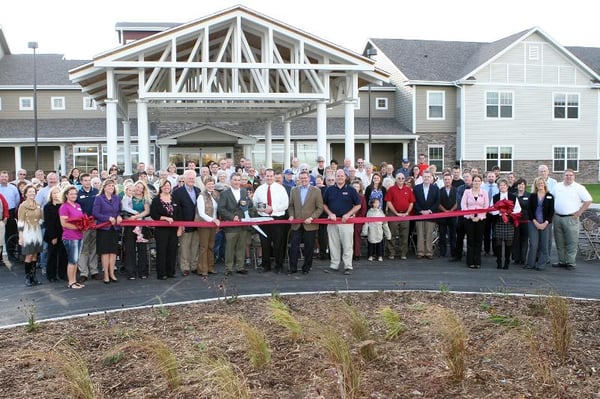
[[81, 29]]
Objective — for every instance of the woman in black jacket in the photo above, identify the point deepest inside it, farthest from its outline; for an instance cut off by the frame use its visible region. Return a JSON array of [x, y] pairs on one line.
[[57, 254], [541, 212], [165, 209]]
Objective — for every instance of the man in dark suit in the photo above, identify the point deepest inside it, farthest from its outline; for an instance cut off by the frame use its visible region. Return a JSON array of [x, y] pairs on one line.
[[233, 203], [427, 201], [447, 226], [306, 203], [185, 197]]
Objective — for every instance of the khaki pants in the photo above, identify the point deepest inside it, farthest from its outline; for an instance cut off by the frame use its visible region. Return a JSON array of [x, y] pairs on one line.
[[425, 238], [341, 238], [235, 249], [88, 259], [206, 256], [188, 251], [402, 230]]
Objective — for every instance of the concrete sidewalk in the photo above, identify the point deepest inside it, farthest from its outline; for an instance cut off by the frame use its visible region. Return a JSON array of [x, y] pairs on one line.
[[56, 300]]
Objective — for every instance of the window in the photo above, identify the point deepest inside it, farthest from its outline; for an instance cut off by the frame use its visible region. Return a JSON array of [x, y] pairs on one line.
[[565, 158], [499, 104], [435, 105], [26, 103], [306, 151], [133, 148], [500, 156], [381, 103], [259, 158], [85, 157], [436, 156], [566, 106], [89, 104], [57, 103], [534, 53]]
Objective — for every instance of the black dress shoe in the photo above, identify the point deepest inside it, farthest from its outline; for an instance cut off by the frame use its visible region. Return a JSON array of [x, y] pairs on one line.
[[83, 279], [454, 260], [559, 265], [356, 258], [242, 271], [570, 267], [303, 272], [293, 271]]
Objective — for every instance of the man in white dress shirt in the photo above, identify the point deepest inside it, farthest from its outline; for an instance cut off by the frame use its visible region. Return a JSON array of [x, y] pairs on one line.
[[271, 199]]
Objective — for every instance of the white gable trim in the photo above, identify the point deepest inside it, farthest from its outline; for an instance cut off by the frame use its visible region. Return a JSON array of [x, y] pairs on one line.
[[561, 48]]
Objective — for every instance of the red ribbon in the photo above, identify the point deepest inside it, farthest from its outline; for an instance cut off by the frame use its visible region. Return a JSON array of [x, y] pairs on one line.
[[506, 207], [88, 223]]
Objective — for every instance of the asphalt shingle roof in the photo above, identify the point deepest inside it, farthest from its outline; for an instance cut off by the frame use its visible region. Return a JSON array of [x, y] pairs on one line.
[[438, 60], [52, 69], [590, 56]]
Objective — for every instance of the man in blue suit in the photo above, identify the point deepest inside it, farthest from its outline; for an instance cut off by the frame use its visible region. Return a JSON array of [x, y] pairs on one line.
[[185, 197], [427, 201]]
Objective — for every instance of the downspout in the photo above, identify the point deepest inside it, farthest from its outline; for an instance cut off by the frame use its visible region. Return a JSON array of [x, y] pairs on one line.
[[461, 125], [414, 119]]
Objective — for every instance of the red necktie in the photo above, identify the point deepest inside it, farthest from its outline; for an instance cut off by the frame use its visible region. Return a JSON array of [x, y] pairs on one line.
[[269, 201]]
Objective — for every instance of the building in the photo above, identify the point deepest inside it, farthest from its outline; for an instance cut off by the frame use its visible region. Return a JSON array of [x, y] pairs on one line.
[[517, 102], [240, 84]]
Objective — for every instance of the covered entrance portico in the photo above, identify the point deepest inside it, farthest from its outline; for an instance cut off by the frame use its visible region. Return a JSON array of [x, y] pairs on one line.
[[235, 66]]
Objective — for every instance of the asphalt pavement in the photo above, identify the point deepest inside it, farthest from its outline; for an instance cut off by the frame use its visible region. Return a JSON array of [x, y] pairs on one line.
[[55, 300]]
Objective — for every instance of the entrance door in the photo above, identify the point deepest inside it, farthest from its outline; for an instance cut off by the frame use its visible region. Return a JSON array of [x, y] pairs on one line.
[[215, 154], [181, 156]]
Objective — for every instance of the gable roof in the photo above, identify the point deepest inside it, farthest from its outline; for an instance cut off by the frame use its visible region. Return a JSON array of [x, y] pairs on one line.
[[51, 69], [438, 60], [449, 61], [590, 56]]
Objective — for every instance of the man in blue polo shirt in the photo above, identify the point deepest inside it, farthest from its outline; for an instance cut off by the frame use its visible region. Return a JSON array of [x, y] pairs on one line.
[[341, 200], [88, 259]]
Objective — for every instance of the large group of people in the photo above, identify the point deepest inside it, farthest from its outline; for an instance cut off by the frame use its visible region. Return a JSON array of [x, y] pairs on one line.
[[52, 217]]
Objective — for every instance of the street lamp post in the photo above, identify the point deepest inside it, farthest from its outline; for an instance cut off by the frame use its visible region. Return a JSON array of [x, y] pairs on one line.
[[34, 46], [370, 53]]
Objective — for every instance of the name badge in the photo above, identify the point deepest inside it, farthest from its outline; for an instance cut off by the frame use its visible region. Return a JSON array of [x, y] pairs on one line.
[[344, 193]]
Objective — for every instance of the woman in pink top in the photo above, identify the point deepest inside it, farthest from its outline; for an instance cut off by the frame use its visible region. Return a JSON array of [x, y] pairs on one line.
[[70, 211], [474, 198]]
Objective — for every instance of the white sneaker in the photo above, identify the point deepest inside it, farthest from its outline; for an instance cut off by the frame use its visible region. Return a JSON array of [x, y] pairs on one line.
[[380, 259], [370, 259]]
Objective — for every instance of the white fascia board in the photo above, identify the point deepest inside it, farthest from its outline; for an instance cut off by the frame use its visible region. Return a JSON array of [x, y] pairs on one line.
[[236, 96], [232, 65], [427, 83], [41, 87]]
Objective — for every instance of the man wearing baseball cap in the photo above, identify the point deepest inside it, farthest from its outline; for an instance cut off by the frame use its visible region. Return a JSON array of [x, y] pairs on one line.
[[405, 168]]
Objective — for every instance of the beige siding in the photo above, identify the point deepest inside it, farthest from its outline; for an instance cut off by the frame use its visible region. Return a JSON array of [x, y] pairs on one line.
[[404, 94], [552, 67], [446, 125], [363, 112], [73, 105], [532, 131]]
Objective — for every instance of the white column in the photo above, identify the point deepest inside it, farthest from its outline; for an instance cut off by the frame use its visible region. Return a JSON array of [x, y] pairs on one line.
[[127, 147], [268, 145], [322, 131], [367, 154], [111, 132], [164, 157], [63, 159], [18, 161], [287, 147], [143, 132], [349, 129]]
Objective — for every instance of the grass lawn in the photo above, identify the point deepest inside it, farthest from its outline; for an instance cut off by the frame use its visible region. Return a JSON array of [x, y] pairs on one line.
[[594, 190]]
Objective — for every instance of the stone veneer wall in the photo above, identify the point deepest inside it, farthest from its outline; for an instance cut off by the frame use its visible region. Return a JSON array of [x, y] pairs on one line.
[[448, 140]]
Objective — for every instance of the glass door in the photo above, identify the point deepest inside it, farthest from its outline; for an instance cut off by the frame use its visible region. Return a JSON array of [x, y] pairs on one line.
[[215, 154]]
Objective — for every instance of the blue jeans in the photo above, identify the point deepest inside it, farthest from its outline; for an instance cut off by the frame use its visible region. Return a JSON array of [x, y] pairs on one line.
[[538, 241], [73, 248]]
